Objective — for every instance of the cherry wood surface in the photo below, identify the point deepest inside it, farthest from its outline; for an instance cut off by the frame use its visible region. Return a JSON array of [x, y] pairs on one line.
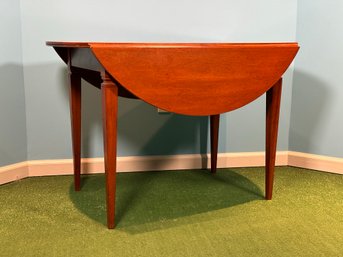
[[186, 78], [197, 75]]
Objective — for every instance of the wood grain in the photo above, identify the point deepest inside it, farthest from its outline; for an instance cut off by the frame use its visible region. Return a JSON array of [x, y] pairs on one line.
[[189, 80]]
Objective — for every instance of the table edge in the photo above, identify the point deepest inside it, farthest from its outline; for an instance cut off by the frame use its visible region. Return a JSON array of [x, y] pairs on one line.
[[165, 45]]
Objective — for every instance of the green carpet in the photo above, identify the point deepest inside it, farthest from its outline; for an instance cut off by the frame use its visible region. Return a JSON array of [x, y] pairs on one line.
[[176, 213]]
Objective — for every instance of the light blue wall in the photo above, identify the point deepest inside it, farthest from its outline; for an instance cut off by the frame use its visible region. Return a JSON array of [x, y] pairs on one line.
[[317, 105], [310, 115], [141, 130], [12, 101]]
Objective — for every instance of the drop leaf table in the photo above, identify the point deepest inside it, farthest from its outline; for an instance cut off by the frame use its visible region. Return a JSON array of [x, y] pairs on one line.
[[202, 79]]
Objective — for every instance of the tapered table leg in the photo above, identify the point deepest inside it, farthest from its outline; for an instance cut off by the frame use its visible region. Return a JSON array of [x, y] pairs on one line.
[[272, 121], [110, 109], [214, 123], [75, 114]]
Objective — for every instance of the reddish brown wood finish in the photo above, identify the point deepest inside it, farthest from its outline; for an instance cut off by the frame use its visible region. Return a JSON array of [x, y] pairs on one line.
[[214, 123], [194, 79], [188, 79], [272, 121], [110, 109], [75, 115]]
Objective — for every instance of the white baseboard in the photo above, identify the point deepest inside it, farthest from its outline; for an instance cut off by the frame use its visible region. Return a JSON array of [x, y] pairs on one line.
[[148, 163], [169, 162], [13, 172], [315, 162]]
